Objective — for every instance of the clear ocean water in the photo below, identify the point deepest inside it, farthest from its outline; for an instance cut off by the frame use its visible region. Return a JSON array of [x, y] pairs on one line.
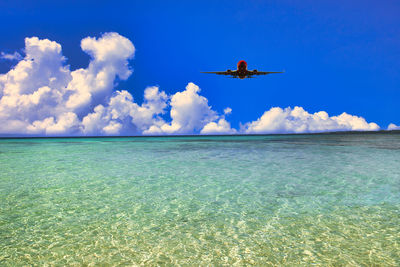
[[286, 200]]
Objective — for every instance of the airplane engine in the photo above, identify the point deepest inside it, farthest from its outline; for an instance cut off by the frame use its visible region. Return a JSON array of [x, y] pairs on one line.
[[255, 71], [228, 71]]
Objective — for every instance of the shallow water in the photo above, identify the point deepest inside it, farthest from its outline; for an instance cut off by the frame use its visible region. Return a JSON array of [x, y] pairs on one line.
[[262, 200]]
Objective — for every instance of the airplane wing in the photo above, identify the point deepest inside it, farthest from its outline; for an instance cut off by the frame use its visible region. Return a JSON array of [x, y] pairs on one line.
[[264, 72], [221, 72]]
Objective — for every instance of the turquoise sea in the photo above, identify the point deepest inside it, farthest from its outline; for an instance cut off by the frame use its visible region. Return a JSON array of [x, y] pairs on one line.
[[278, 200]]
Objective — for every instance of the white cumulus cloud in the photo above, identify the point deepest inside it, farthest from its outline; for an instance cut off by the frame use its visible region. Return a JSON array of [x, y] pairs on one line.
[[14, 56], [66, 123], [190, 112], [227, 111], [297, 120], [220, 127], [393, 126], [110, 55], [40, 95], [122, 115]]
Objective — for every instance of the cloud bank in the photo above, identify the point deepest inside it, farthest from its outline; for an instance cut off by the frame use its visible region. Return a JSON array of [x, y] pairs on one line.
[[297, 120], [392, 127], [40, 95]]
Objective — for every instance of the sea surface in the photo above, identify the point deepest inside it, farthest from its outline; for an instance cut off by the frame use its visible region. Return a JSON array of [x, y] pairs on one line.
[[278, 200]]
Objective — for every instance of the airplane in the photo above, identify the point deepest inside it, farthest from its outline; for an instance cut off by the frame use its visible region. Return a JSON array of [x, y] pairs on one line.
[[242, 71]]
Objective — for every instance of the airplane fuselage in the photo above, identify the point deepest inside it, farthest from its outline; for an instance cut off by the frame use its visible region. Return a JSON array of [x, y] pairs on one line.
[[242, 69]]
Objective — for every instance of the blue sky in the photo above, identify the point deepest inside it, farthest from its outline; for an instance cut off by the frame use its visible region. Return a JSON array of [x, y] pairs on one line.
[[339, 56]]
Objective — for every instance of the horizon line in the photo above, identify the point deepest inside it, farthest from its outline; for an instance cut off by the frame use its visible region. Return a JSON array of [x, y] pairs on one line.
[[202, 135]]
